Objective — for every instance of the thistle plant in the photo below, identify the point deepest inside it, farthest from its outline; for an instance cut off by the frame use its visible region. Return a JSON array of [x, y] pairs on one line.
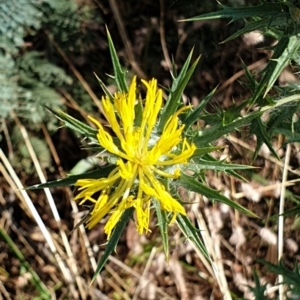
[[150, 148]]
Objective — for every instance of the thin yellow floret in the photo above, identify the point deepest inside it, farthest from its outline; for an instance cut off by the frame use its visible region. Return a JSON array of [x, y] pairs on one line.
[[142, 159]]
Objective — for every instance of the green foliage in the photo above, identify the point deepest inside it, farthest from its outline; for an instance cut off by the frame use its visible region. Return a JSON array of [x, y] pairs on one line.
[[280, 20], [28, 78], [258, 290], [18, 18], [178, 85], [277, 20], [10, 90], [31, 73], [291, 278], [26, 84], [113, 241], [34, 67]]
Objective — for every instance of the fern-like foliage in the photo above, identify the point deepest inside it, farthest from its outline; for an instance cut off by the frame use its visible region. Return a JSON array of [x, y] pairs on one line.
[[27, 78], [27, 83], [10, 91], [30, 75], [18, 18], [32, 66]]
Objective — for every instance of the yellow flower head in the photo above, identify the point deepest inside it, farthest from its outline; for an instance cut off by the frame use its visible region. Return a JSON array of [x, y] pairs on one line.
[[142, 159]]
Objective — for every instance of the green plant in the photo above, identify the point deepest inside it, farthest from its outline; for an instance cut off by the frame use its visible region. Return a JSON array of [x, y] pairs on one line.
[[126, 178], [279, 20]]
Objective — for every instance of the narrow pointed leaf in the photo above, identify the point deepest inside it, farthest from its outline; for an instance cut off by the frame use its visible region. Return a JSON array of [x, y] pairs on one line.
[[205, 150], [216, 166], [211, 134], [178, 86], [258, 128], [290, 277], [196, 167], [113, 241], [162, 222], [70, 180], [74, 124], [119, 74], [283, 54], [256, 25], [194, 115], [83, 220], [259, 289], [104, 88], [192, 234], [252, 83], [191, 184], [235, 13]]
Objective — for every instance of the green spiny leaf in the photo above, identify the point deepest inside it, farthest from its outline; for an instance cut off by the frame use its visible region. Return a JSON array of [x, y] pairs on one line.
[[178, 86], [259, 290], [191, 184], [211, 134], [258, 128], [119, 74], [272, 9], [208, 162], [70, 180], [283, 54], [162, 222], [104, 88], [74, 124], [290, 277], [258, 24], [252, 83], [114, 239], [192, 234], [194, 115], [216, 166]]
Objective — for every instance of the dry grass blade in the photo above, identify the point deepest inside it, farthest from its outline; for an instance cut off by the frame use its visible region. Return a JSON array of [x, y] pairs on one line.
[[142, 283], [281, 217], [75, 210], [71, 261], [130, 271], [65, 271], [212, 244], [233, 139]]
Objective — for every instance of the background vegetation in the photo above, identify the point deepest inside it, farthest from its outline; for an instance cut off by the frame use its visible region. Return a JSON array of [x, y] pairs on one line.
[[49, 52]]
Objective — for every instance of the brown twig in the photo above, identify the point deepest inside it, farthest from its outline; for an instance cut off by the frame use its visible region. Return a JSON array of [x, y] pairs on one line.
[[162, 35], [76, 72], [125, 39]]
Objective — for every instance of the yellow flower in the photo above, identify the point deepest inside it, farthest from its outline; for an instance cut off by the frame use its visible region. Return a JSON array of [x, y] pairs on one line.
[[143, 158]]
